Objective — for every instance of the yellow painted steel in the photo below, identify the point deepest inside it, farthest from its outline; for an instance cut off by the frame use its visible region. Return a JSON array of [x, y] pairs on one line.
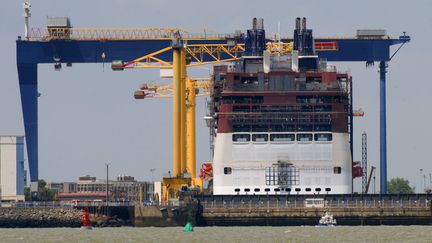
[[190, 127], [183, 113], [217, 53], [171, 186], [176, 112], [279, 47], [197, 52]]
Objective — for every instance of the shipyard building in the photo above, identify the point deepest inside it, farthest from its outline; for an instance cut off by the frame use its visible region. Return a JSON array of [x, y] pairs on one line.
[[12, 173]]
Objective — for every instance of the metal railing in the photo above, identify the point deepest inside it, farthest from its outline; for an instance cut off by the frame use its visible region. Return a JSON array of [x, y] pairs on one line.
[[300, 204], [66, 204], [37, 34]]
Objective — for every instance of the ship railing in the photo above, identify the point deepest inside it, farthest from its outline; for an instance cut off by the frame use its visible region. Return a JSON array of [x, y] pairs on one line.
[[300, 204], [283, 87], [293, 118]]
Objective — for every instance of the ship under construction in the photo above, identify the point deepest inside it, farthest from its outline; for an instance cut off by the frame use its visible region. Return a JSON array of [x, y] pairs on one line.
[[281, 122]]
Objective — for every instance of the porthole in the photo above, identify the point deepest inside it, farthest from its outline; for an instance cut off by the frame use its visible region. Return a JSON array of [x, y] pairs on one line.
[[227, 170]]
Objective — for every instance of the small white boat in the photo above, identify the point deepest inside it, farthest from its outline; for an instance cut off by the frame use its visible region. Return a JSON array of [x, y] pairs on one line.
[[327, 220]]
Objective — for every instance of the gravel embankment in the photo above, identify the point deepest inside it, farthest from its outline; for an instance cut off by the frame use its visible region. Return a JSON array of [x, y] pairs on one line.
[[39, 217]]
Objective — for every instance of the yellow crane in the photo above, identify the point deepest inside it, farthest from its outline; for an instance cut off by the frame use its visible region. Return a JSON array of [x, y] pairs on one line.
[[194, 87], [183, 92]]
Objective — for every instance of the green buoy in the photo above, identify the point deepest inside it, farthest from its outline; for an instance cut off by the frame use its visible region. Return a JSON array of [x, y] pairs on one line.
[[188, 227]]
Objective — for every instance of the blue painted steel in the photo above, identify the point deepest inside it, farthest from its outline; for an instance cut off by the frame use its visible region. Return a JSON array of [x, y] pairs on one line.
[[383, 129], [91, 51], [31, 53], [20, 166], [27, 75]]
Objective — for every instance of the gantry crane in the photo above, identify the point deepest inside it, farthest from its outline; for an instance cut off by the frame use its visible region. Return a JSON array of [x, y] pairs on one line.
[[65, 44]]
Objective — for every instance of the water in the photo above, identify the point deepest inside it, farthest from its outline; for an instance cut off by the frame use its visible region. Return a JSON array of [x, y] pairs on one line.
[[223, 234]]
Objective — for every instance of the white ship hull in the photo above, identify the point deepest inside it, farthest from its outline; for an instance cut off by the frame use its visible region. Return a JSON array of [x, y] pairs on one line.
[[309, 167]]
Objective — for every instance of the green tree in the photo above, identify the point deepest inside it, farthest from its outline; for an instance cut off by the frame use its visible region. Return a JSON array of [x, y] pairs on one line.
[[399, 186], [44, 193]]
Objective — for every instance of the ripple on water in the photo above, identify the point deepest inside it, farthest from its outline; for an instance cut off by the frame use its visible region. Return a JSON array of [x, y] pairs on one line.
[[223, 234]]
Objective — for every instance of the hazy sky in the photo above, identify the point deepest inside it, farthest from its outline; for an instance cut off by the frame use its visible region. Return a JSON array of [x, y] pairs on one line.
[[88, 116]]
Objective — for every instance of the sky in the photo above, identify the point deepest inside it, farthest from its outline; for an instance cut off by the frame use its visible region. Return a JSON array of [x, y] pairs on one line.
[[88, 117]]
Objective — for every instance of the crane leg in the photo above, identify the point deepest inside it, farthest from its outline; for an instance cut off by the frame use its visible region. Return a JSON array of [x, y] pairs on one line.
[[183, 112], [190, 123], [383, 129], [176, 111]]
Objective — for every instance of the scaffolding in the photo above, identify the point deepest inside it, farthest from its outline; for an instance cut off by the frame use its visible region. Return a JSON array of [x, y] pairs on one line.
[[364, 162]]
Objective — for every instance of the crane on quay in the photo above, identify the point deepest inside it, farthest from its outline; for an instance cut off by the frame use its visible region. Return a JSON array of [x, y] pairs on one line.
[[59, 43], [187, 174]]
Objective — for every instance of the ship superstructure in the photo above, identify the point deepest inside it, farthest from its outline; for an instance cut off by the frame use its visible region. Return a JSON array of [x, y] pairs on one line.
[[280, 121]]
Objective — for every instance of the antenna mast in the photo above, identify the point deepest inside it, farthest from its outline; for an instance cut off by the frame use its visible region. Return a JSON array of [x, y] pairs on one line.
[[26, 6]]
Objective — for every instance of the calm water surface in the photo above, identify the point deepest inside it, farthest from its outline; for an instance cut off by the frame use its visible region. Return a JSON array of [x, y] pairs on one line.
[[224, 234]]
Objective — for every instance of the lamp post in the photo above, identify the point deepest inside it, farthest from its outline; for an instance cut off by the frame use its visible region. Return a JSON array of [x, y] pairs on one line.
[[430, 181], [420, 187], [152, 170], [107, 185]]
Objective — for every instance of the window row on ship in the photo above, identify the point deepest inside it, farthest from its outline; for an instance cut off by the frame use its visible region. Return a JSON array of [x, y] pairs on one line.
[[281, 137], [297, 190]]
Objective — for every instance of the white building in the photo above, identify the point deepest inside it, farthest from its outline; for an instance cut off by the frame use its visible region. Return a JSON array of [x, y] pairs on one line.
[[12, 174]]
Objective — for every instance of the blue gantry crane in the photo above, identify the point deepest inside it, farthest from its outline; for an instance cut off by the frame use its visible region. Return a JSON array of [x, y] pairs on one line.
[[59, 44]]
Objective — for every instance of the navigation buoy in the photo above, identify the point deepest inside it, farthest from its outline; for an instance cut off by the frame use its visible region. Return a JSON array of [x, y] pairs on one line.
[[188, 227], [85, 220]]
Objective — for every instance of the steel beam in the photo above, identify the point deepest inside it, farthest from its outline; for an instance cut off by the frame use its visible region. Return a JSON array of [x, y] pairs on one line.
[[383, 128], [190, 128], [183, 112], [27, 75]]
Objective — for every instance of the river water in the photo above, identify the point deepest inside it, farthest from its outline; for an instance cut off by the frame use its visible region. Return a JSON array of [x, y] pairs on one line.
[[223, 234]]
